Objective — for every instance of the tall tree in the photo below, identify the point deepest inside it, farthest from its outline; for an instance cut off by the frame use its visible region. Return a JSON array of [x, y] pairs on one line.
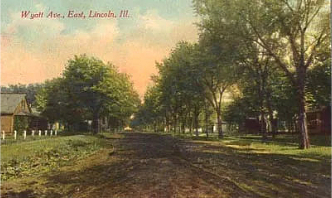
[[295, 26], [54, 103], [215, 72], [88, 90]]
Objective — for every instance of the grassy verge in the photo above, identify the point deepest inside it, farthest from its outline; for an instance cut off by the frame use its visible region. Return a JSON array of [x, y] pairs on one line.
[[282, 144], [276, 168], [36, 157]]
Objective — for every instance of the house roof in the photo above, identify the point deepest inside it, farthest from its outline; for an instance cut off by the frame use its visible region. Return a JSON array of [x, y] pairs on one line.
[[9, 102]]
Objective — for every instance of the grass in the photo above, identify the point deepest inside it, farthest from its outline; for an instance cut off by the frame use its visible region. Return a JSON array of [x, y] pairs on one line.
[[282, 144], [63, 165], [37, 156], [276, 168]]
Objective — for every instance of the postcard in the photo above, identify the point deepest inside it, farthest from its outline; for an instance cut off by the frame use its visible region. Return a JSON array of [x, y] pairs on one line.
[[165, 98]]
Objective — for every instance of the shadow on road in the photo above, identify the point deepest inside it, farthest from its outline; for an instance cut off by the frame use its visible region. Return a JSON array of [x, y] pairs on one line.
[[152, 165]]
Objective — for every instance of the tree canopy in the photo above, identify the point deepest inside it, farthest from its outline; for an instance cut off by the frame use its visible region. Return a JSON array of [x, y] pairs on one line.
[[89, 90], [274, 55]]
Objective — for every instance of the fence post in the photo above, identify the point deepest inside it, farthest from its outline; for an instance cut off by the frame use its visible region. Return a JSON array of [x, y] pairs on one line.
[[15, 134], [51, 132], [25, 134], [45, 132], [33, 133], [3, 135], [56, 132], [39, 132]]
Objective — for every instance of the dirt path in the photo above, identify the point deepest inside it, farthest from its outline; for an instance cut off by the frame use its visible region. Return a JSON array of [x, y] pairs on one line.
[[151, 165]]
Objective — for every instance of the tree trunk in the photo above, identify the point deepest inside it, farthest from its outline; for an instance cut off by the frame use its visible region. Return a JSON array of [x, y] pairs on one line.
[[196, 126], [184, 123], [190, 124], [95, 123], [272, 120], [263, 126], [206, 122], [289, 127], [302, 120], [219, 125], [180, 122], [175, 124], [167, 123], [196, 114], [261, 93], [68, 127]]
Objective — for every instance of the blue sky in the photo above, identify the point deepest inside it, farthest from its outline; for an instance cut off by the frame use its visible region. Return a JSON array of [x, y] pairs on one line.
[[168, 9], [38, 49]]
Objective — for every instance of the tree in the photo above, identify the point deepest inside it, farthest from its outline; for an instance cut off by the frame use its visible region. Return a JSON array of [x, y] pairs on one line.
[[215, 72], [176, 98], [295, 26], [54, 103], [181, 94], [89, 89], [123, 103], [318, 85], [89, 82]]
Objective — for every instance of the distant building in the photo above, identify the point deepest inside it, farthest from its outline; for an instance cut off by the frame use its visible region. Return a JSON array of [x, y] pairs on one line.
[[37, 122], [319, 120], [12, 106], [252, 125]]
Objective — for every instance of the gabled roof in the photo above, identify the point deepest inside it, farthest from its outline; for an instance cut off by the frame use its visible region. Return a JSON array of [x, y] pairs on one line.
[[9, 102]]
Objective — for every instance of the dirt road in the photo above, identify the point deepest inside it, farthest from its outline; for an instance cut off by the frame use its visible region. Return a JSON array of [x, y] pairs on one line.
[[149, 165], [160, 166]]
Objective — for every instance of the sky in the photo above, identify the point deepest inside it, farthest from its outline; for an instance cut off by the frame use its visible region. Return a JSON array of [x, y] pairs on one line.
[[34, 50]]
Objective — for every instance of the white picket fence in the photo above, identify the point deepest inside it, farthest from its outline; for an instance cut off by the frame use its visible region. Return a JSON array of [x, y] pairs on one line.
[[32, 133]]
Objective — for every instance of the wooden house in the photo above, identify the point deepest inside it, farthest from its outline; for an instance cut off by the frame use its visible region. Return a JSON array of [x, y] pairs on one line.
[[12, 106]]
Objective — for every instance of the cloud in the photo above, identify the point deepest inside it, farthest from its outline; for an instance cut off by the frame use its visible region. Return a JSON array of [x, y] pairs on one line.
[[151, 21], [27, 30], [36, 50]]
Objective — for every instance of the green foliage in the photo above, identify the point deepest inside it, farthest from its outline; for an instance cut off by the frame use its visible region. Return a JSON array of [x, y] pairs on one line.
[[54, 103], [88, 90], [292, 33], [176, 95], [21, 123], [237, 111], [40, 156], [319, 86]]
